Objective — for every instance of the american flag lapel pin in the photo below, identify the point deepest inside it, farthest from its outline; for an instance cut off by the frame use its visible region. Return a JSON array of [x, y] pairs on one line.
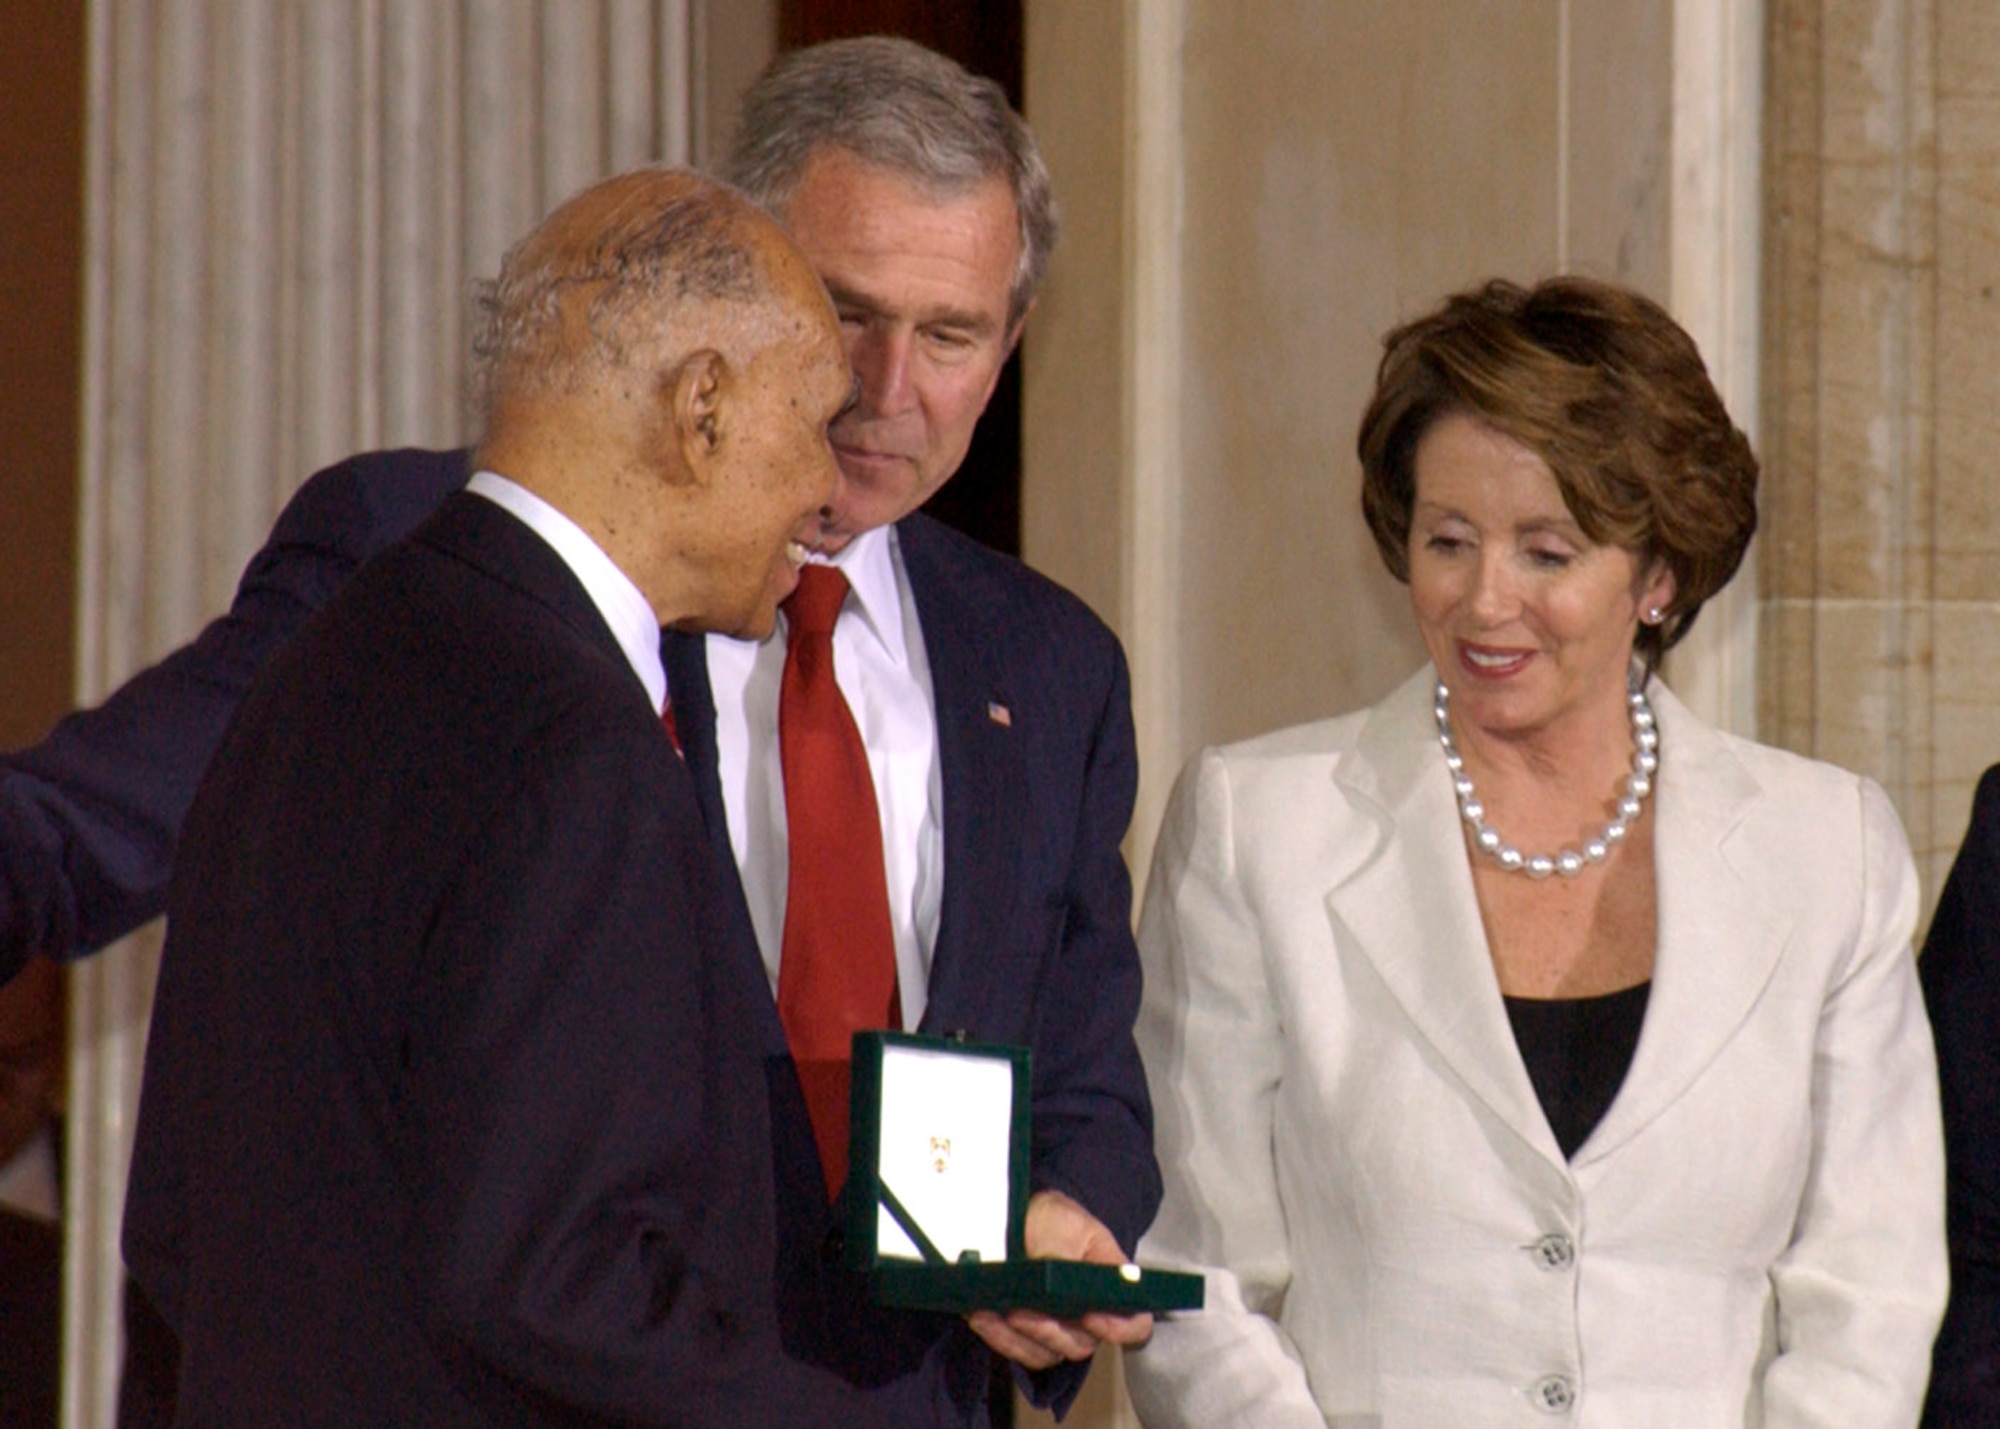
[[999, 714]]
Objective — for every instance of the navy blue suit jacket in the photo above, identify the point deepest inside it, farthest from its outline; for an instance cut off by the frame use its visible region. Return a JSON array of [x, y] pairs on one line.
[[90, 817], [1960, 969], [451, 1112], [1034, 945]]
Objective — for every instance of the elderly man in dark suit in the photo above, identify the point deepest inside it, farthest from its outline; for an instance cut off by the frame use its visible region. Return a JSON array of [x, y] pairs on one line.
[[1960, 970], [992, 706], [453, 1112]]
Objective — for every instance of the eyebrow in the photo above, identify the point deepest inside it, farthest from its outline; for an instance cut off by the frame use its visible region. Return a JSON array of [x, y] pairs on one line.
[[1565, 525], [977, 323]]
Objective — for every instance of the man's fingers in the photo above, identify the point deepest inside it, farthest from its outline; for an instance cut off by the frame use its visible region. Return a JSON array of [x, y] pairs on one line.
[[1032, 1339], [1127, 1330]]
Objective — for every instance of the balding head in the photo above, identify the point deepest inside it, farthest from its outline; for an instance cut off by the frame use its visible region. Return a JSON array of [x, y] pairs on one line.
[[612, 276], [645, 336]]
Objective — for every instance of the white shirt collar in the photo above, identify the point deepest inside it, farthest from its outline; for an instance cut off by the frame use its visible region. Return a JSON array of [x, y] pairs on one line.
[[624, 608], [869, 563]]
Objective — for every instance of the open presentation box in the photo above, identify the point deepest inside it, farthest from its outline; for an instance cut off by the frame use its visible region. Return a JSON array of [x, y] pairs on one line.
[[938, 1151]]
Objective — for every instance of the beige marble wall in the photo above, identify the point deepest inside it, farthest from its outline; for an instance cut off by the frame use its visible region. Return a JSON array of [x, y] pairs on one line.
[[1306, 174], [1881, 552], [1341, 178]]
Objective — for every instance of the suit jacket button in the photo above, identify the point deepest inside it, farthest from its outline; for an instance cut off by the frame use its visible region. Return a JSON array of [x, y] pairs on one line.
[[1554, 1251], [834, 1247], [1553, 1394]]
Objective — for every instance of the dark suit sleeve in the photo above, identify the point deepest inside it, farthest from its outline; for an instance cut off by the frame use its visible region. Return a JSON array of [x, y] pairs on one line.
[[586, 1115], [1960, 969], [1093, 1120], [91, 816], [1093, 1125]]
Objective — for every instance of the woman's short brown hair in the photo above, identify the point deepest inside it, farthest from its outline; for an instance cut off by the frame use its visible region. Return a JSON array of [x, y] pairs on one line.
[[1608, 390]]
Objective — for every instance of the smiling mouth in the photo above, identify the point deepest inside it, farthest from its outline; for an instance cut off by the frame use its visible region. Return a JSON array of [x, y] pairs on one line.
[[1492, 662], [866, 453]]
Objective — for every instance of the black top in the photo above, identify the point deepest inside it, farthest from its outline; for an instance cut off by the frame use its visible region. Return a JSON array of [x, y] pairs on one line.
[[1578, 1051]]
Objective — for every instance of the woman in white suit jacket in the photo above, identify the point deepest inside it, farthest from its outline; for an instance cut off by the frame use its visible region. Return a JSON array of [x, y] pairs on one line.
[[1718, 1202]]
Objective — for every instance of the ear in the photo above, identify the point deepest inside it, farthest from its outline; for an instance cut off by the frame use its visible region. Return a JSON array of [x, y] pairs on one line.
[[1020, 325], [1657, 590], [1007, 349], [696, 399]]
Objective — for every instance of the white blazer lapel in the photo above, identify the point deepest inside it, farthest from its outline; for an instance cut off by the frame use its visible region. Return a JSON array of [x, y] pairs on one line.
[[1409, 905], [1720, 936]]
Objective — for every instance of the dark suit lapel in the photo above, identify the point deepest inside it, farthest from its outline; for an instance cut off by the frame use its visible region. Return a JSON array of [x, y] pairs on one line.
[[803, 1217], [980, 766], [489, 538], [693, 701], [686, 660]]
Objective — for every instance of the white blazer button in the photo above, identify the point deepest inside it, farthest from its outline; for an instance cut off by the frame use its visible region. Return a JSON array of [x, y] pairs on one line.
[[1554, 1252], [1553, 1394]]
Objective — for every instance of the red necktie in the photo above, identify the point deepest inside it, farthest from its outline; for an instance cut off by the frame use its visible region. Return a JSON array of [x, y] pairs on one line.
[[837, 969]]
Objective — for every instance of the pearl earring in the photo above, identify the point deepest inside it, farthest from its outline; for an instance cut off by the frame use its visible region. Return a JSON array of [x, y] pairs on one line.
[[1655, 616]]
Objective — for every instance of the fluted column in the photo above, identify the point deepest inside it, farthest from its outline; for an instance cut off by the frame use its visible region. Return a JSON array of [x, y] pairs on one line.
[[1881, 549], [287, 203]]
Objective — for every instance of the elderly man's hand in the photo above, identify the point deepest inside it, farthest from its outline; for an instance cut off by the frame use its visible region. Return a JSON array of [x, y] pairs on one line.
[[1058, 1228]]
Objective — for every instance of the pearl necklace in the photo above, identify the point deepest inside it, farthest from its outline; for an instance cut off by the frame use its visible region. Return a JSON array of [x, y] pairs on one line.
[[1570, 862]]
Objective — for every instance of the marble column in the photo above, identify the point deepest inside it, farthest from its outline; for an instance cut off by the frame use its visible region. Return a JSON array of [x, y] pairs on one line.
[[1881, 545], [288, 201]]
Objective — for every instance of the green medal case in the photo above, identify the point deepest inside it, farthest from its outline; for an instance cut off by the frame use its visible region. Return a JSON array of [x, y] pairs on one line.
[[938, 1159]]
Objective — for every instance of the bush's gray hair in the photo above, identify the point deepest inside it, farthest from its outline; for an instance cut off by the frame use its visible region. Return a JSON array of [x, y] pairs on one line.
[[651, 258], [894, 104]]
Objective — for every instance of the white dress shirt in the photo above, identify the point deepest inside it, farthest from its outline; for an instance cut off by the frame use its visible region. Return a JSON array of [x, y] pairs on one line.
[[624, 607], [879, 662]]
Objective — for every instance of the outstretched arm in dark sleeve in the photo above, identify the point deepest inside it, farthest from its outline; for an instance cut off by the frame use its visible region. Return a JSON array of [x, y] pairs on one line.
[[91, 816]]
